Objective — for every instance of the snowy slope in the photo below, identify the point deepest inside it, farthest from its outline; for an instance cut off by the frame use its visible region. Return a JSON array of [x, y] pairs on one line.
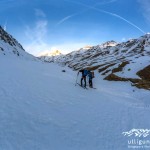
[[11, 47], [42, 109]]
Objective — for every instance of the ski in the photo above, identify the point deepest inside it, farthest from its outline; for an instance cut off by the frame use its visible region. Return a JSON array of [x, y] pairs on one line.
[[93, 88], [82, 86]]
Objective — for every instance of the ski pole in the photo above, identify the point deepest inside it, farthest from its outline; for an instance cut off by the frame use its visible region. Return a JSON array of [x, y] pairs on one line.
[[76, 78]]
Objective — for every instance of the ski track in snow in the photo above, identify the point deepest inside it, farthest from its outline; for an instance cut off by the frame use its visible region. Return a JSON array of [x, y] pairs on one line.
[[42, 109]]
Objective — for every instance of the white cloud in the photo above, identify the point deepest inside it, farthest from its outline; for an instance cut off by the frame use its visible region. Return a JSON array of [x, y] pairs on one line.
[[37, 34], [65, 19], [145, 5], [39, 13]]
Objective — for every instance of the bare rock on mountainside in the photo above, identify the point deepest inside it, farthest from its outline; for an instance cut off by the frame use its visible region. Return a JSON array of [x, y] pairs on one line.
[[144, 73], [139, 83], [120, 67], [113, 77]]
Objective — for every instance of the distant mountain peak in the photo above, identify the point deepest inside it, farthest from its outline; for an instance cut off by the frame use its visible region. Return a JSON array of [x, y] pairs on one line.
[[49, 53], [87, 47], [108, 44]]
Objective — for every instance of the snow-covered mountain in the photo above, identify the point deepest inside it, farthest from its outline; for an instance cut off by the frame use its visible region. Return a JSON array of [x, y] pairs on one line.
[[48, 56], [49, 53], [9, 46], [115, 61]]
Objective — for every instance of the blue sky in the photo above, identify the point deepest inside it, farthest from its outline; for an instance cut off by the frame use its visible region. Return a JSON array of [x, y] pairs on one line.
[[45, 25]]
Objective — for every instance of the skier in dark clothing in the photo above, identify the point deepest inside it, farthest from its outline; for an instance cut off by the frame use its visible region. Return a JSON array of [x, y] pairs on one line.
[[84, 74], [91, 76]]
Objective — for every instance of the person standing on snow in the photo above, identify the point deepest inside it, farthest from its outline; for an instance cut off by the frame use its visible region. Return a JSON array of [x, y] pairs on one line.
[[91, 76], [84, 74]]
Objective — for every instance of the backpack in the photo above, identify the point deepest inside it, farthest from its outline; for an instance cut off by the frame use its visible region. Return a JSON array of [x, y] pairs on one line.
[[93, 74], [85, 72]]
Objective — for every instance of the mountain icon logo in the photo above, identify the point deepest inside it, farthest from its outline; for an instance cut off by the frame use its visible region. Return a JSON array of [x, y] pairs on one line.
[[137, 133]]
